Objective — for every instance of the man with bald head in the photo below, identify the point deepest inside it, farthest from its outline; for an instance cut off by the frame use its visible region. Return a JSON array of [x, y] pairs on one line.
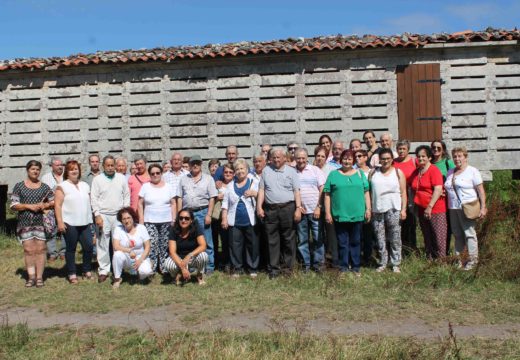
[[173, 177], [386, 142], [337, 148], [280, 207]]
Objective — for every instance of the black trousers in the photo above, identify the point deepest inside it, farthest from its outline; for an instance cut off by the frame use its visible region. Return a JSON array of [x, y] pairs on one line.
[[243, 238], [280, 230]]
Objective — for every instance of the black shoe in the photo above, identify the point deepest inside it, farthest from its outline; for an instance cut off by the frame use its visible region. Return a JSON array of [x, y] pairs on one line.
[[273, 275]]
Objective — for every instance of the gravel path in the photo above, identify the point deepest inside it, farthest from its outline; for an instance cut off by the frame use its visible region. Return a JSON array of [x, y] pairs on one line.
[[164, 319]]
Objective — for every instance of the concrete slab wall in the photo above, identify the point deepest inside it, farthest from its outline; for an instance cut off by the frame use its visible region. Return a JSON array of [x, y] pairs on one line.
[[201, 106]]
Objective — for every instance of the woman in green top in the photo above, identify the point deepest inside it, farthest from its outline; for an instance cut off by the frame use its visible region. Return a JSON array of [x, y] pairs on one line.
[[347, 205], [441, 157]]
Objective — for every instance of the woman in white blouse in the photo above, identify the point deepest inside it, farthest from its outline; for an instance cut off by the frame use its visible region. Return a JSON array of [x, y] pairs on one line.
[[238, 215], [74, 219], [131, 247], [464, 185], [157, 210]]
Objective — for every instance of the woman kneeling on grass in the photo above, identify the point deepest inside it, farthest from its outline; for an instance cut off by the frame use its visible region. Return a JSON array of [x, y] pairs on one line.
[[131, 244], [31, 198], [464, 186], [187, 248]]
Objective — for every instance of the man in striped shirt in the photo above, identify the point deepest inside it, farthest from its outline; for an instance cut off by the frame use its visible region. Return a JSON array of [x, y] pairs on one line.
[[312, 180]]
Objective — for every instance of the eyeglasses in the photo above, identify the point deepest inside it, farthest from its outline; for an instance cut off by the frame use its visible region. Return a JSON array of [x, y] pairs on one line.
[[155, 173], [184, 218], [292, 148], [359, 156]]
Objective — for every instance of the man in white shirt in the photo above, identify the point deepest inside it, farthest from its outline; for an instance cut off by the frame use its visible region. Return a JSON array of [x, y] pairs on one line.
[[108, 195], [173, 176], [53, 179]]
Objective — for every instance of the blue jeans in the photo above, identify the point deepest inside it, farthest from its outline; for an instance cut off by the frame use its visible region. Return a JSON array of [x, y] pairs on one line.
[[311, 253], [206, 230], [83, 235], [52, 246], [349, 244]]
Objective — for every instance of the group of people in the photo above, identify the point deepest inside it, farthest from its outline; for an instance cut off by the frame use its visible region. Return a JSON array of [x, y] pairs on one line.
[[284, 210]]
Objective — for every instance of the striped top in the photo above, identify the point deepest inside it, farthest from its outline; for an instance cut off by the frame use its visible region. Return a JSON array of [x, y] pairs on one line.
[[311, 180]]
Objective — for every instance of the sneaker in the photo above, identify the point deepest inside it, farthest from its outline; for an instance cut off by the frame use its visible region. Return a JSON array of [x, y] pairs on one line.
[[396, 269], [469, 266], [253, 275], [380, 269]]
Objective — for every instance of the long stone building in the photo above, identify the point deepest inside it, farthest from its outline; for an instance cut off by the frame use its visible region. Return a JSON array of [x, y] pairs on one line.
[[463, 88]]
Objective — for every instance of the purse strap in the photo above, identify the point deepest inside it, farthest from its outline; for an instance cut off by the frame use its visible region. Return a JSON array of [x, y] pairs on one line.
[[455, 188]]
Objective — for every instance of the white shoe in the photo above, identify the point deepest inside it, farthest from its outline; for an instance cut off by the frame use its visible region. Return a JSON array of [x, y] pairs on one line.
[[396, 269], [381, 269], [253, 275]]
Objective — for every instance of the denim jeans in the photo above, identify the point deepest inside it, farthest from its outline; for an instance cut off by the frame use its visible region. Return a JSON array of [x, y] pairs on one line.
[[313, 254], [83, 235], [206, 230], [349, 244], [52, 246]]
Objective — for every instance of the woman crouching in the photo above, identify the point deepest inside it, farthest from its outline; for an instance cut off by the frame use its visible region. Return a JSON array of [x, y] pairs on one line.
[[131, 244], [187, 249]]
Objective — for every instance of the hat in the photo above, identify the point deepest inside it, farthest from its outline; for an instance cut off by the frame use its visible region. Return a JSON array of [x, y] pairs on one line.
[[195, 158]]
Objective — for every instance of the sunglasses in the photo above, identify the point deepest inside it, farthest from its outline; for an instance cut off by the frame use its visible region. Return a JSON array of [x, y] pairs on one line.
[[437, 148], [359, 156], [184, 218], [292, 148], [155, 173]]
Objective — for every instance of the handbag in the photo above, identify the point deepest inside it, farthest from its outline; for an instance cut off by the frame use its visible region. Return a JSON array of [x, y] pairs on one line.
[[49, 224], [470, 209], [217, 210]]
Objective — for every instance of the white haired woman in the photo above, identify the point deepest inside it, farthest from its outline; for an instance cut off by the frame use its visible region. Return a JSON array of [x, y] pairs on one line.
[[466, 204]]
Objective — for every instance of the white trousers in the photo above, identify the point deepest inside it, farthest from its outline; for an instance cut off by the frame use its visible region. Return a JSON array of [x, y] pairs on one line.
[[103, 243], [121, 261]]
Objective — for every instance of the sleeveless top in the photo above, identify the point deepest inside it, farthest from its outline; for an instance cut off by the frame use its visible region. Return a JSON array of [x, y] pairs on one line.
[[385, 191]]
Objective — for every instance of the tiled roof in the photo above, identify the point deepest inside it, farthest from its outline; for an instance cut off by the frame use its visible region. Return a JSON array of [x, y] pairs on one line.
[[266, 47]]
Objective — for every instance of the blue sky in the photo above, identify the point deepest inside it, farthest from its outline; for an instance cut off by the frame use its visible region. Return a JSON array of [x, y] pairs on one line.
[[46, 28]]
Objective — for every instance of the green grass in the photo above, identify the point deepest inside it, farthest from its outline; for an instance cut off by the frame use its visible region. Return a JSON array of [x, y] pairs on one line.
[[19, 342]]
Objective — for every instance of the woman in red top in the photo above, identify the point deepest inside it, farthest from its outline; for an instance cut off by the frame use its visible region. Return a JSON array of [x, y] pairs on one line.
[[426, 183], [407, 164]]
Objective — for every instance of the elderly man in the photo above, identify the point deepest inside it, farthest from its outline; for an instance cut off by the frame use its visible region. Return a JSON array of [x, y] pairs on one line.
[[259, 163], [312, 180], [386, 143], [53, 179], [122, 167], [94, 163], [279, 205], [197, 192], [136, 181], [337, 148], [173, 177], [231, 156], [108, 195]]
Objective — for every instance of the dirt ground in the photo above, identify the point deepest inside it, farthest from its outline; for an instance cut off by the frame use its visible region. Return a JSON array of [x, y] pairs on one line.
[[165, 319]]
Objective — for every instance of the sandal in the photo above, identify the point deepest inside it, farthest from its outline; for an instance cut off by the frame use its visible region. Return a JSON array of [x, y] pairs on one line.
[[87, 276], [73, 279], [200, 280], [39, 283], [30, 283]]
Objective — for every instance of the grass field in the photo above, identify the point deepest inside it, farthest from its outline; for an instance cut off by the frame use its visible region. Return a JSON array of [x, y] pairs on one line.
[[431, 292]]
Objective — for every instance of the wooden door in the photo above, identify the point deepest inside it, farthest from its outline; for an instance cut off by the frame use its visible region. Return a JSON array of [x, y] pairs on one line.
[[419, 102]]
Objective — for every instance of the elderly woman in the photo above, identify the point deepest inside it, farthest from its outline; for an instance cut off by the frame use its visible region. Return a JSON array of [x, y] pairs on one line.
[[320, 160], [222, 252], [388, 194], [407, 164], [131, 244], [347, 205], [157, 210], [464, 186], [74, 219], [238, 217], [187, 249], [427, 188], [31, 198]]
